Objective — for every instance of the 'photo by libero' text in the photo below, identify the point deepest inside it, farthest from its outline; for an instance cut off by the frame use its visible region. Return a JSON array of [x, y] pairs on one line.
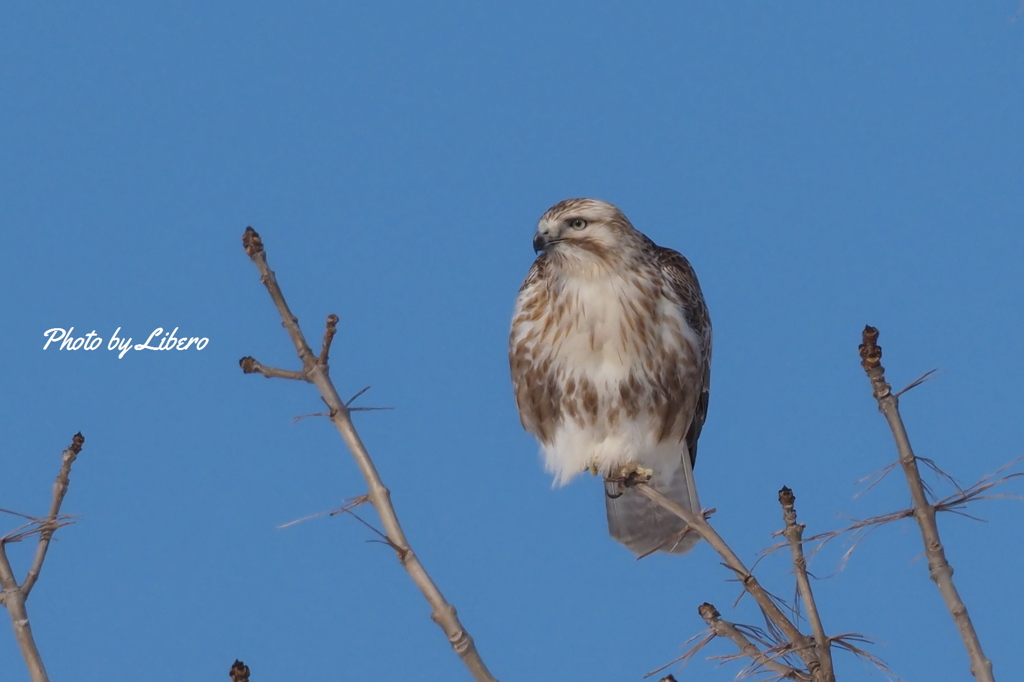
[[64, 339]]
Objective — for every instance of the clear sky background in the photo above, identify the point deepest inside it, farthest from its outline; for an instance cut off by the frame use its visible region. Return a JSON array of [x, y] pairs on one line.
[[822, 166]]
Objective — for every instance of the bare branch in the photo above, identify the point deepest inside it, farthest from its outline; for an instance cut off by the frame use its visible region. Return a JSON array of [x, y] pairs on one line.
[[14, 595], [14, 600], [794, 533], [251, 365], [801, 644], [330, 329], [315, 370], [938, 567], [60, 489], [760, 659]]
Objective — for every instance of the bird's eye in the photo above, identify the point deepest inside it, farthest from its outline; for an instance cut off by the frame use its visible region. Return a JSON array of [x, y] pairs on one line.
[[577, 223]]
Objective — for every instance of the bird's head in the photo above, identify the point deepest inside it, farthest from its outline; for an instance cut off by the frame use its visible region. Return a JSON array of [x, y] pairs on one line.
[[584, 228]]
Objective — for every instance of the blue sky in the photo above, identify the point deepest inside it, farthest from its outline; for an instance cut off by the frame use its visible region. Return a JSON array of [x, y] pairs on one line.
[[822, 166]]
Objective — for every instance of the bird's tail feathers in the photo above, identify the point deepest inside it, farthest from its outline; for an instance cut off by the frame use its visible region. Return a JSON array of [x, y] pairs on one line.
[[644, 526]]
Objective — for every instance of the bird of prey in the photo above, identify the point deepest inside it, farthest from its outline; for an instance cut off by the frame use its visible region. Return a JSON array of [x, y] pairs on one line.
[[610, 354]]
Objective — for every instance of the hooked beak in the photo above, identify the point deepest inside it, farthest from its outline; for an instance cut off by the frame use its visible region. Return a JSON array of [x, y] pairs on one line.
[[542, 241]]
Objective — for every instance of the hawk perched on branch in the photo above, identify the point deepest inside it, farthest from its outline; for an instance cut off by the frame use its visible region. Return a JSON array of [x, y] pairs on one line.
[[610, 353]]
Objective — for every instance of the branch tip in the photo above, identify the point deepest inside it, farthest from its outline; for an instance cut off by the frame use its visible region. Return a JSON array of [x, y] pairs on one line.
[[870, 351], [329, 331], [708, 611], [252, 242], [239, 671]]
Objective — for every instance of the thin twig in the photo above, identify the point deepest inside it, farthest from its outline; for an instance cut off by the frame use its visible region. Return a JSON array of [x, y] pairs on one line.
[[364, 389], [874, 478], [315, 370], [352, 504], [704, 639], [251, 365], [330, 329], [296, 420], [16, 513], [723, 628], [794, 533], [846, 641], [858, 529], [14, 595], [36, 527], [938, 567], [927, 376]]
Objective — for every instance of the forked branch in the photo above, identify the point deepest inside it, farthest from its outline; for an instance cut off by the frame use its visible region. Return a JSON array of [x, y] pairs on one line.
[[12, 595], [924, 512], [799, 643], [769, 658], [315, 370]]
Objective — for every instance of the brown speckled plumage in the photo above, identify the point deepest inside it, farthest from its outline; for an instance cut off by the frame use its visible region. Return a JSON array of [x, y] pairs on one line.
[[610, 354]]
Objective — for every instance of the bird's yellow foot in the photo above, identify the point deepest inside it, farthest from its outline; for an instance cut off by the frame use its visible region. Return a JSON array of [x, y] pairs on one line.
[[631, 472]]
